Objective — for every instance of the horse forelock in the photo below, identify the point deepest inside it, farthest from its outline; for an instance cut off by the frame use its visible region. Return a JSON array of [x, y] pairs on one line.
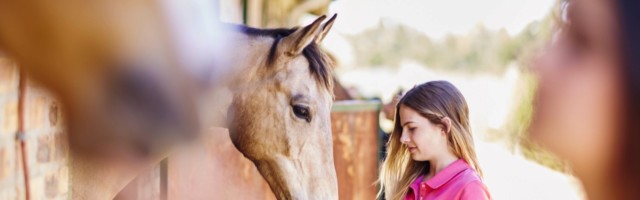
[[320, 64]]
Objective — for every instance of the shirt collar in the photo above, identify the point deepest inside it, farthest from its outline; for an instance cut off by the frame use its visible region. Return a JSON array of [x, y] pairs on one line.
[[415, 185], [442, 177], [447, 174]]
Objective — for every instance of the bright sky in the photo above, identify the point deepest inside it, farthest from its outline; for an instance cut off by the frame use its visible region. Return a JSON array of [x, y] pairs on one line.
[[438, 17]]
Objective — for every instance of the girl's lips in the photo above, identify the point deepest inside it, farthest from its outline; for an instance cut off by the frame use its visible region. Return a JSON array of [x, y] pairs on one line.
[[413, 149]]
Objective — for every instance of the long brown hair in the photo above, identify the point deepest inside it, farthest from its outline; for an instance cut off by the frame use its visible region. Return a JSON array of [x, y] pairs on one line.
[[433, 100]]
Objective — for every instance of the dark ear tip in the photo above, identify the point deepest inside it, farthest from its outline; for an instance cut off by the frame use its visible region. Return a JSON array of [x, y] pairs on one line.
[[321, 18]]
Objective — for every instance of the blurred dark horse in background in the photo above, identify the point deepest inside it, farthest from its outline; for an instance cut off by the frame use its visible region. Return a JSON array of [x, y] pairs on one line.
[[130, 73], [124, 71]]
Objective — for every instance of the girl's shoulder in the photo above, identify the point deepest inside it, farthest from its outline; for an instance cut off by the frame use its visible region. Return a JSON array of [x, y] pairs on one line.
[[471, 186], [467, 176], [456, 175], [474, 190]]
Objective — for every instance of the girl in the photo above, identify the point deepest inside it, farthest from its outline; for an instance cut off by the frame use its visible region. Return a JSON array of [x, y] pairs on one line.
[[430, 151], [587, 109]]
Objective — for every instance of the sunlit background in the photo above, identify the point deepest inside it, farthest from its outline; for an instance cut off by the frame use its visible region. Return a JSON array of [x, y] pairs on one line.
[[484, 48]]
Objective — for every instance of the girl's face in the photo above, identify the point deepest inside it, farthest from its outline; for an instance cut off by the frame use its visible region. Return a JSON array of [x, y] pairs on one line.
[[425, 140], [577, 107]]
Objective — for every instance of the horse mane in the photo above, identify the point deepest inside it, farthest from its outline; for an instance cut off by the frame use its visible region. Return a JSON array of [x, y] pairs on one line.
[[320, 64]]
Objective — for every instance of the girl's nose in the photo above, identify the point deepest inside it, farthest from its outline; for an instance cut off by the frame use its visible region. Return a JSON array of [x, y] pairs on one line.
[[404, 138]]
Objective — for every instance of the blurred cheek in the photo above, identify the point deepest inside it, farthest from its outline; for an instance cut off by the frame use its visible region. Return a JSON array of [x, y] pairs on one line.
[[421, 140], [576, 111], [428, 143]]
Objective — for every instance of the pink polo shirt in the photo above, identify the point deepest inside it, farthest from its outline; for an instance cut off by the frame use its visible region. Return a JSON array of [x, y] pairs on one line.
[[456, 181]]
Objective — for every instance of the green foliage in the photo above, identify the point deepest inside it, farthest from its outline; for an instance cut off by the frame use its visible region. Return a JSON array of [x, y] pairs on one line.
[[482, 50]]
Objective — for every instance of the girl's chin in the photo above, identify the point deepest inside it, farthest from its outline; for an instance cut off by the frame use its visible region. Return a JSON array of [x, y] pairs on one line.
[[418, 158]]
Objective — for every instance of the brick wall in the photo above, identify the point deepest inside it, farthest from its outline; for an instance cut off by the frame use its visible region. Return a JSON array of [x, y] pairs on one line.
[[46, 149]]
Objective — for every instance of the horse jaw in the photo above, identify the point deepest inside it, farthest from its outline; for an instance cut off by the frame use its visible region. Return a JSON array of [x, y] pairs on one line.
[[300, 178]]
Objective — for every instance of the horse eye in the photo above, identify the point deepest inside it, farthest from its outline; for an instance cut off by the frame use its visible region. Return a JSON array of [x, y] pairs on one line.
[[302, 112]]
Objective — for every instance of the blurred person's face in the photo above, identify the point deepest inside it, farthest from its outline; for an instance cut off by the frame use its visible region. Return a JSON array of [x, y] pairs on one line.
[[425, 140], [577, 108]]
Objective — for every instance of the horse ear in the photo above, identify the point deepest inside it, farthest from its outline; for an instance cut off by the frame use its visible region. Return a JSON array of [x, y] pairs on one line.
[[301, 38], [325, 29]]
